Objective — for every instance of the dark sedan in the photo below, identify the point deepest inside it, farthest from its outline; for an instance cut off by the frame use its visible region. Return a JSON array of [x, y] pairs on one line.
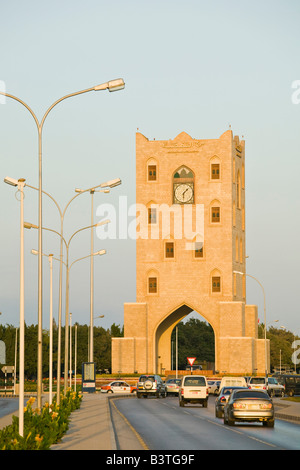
[[223, 398], [250, 406]]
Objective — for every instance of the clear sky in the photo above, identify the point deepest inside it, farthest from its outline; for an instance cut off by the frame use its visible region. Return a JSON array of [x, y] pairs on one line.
[[192, 66]]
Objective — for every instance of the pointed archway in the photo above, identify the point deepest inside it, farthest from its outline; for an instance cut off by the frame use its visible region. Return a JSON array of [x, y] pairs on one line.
[[163, 333]]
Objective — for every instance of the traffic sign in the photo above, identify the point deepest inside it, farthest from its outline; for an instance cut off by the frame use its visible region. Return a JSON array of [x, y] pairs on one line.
[[191, 360]]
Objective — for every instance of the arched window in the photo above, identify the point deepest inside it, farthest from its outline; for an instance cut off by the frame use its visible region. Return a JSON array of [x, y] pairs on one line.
[[238, 190], [152, 170], [215, 212], [216, 281], [152, 282], [215, 168]]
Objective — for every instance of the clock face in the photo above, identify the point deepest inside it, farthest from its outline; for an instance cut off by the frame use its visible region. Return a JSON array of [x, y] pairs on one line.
[[184, 193]]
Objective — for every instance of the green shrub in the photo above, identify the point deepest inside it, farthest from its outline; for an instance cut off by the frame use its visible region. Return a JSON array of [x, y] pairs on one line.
[[42, 428]]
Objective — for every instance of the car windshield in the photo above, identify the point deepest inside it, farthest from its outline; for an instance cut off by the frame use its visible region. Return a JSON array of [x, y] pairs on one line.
[[257, 380], [195, 382], [251, 394], [143, 378], [173, 381]]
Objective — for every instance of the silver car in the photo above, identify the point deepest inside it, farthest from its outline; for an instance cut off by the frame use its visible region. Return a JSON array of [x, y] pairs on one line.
[[249, 405], [172, 386]]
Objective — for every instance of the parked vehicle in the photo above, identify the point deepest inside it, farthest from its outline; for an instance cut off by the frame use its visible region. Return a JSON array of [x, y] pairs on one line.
[[213, 386], [150, 385], [118, 387], [270, 384], [223, 398], [193, 389], [249, 405], [233, 382], [290, 382], [172, 386]]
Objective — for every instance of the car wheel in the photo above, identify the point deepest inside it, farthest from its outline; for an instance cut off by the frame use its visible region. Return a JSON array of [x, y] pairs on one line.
[[270, 423], [181, 403], [218, 414], [282, 394], [138, 395], [204, 404]]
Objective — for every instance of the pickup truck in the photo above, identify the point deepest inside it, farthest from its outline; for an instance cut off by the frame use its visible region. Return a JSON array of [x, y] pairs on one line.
[[193, 389]]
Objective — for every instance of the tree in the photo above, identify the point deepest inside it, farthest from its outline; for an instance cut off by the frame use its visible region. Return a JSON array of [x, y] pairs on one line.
[[195, 339]]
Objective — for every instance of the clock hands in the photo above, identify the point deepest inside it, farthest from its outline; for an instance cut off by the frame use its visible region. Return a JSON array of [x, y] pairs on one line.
[[184, 192]]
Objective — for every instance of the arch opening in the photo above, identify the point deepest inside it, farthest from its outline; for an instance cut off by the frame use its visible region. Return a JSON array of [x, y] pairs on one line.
[[195, 338]]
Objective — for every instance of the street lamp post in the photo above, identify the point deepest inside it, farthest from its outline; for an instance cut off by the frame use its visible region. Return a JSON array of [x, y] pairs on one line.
[[62, 214], [265, 317], [20, 184], [50, 259], [108, 184], [113, 85], [67, 245]]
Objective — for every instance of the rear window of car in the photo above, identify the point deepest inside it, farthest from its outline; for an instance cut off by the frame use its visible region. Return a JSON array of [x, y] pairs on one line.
[[195, 382], [143, 378], [257, 380], [251, 394]]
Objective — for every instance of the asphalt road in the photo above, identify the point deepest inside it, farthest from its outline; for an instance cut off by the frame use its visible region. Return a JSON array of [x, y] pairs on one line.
[[163, 425], [8, 405]]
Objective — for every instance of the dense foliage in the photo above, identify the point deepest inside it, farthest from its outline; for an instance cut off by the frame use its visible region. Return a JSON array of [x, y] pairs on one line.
[[281, 350], [102, 347], [42, 428], [195, 339]]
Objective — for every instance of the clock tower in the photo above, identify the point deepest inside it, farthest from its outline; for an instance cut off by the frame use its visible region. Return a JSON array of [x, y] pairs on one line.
[[190, 254]]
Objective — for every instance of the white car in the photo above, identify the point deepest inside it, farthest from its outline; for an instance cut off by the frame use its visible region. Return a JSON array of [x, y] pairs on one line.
[[268, 384], [213, 386], [193, 389], [118, 386]]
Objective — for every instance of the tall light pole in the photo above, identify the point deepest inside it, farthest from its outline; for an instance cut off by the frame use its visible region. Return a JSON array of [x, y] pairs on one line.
[[265, 317], [50, 259], [113, 85], [20, 184], [108, 184], [67, 245], [62, 213]]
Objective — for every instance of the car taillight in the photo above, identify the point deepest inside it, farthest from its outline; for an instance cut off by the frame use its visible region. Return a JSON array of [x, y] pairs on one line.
[[265, 406], [265, 388], [223, 398], [239, 406], [182, 391]]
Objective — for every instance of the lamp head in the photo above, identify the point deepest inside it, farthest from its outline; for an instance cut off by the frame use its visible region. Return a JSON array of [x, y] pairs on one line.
[[10, 181], [112, 85]]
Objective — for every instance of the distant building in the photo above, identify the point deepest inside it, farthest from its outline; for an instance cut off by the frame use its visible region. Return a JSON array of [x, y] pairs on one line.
[[188, 265]]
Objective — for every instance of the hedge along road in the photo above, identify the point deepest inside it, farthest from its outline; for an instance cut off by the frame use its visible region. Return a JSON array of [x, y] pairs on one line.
[[163, 425]]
